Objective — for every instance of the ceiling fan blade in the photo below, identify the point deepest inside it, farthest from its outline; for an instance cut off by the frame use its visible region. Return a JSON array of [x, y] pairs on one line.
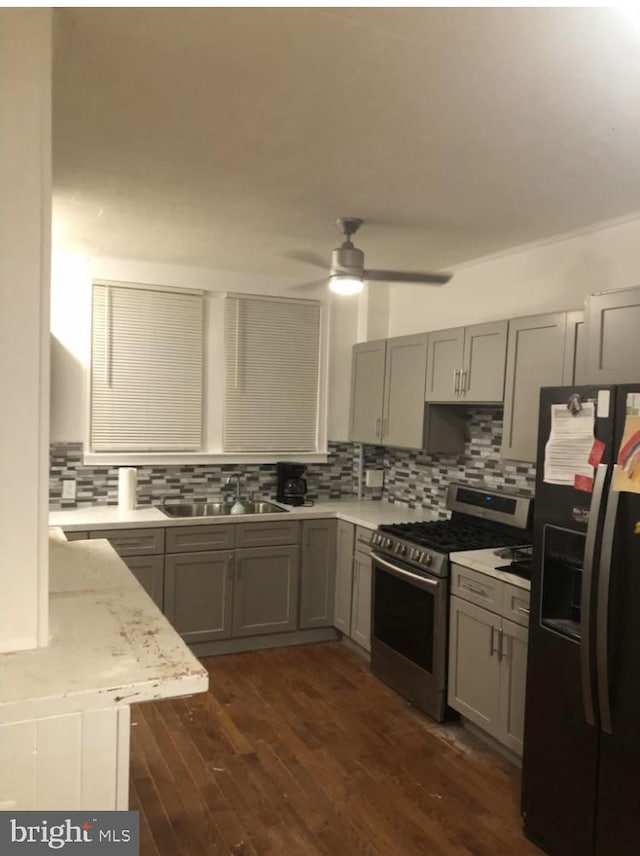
[[405, 276], [307, 258], [310, 286]]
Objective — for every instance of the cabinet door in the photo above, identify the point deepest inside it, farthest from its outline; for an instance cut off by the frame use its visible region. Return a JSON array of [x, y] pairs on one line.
[[613, 344], [444, 365], [361, 601], [404, 385], [265, 596], [367, 383], [535, 358], [149, 571], [198, 594], [344, 575], [575, 349], [318, 573], [474, 669], [513, 684], [485, 355]]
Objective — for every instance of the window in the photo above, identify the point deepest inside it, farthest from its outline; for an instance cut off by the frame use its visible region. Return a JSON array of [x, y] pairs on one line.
[[272, 348], [146, 369]]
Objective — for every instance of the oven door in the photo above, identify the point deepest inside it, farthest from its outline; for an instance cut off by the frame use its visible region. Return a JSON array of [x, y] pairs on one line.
[[409, 633]]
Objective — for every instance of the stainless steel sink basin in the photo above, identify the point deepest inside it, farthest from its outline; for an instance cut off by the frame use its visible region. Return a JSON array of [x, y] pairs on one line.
[[217, 509]]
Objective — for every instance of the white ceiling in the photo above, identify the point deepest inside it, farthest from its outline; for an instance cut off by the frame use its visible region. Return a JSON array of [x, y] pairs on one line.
[[231, 138]]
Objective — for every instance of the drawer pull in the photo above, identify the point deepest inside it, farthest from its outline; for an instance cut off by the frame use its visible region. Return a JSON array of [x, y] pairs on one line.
[[481, 592], [523, 610]]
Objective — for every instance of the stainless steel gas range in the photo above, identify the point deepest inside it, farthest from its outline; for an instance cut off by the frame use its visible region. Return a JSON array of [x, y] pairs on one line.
[[410, 603]]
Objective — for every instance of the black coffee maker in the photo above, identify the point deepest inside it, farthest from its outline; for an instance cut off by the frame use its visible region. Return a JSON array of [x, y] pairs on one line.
[[292, 487]]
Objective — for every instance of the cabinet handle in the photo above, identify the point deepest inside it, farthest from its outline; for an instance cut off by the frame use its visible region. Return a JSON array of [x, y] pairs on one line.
[[463, 382], [456, 381], [503, 647], [523, 610], [481, 592], [378, 423]]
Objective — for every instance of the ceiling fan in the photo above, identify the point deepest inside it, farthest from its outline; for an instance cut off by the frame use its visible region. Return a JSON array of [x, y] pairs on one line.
[[347, 273]]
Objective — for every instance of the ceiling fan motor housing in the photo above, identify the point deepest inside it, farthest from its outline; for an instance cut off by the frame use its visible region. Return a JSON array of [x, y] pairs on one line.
[[347, 260]]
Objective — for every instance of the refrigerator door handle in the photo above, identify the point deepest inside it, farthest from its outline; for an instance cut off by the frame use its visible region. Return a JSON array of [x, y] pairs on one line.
[[602, 618], [585, 601]]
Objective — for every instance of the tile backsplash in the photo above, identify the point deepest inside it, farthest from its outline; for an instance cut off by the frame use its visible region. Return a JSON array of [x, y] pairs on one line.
[[412, 478]]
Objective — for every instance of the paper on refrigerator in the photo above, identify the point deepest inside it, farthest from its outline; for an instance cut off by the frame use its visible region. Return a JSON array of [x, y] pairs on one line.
[[566, 454], [626, 476]]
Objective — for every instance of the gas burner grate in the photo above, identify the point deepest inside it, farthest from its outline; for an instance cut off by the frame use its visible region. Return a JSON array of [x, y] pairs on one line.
[[447, 536]]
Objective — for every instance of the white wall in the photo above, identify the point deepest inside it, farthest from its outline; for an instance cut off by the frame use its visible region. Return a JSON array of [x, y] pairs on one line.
[[25, 229], [543, 278]]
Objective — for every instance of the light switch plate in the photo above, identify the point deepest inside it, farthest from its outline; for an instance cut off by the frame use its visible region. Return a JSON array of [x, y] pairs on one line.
[[373, 478], [68, 489]]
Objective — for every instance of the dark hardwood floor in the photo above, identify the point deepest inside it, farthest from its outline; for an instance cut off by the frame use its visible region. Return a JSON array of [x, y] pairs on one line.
[[302, 751]]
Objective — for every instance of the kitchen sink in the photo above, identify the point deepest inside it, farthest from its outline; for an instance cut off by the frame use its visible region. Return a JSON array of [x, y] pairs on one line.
[[218, 509]]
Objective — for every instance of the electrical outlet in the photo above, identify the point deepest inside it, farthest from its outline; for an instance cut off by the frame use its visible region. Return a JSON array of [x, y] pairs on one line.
[[68, 489], [373, 478]]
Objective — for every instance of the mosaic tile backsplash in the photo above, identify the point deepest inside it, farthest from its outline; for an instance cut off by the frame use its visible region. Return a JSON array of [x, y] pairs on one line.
[[412, 478]]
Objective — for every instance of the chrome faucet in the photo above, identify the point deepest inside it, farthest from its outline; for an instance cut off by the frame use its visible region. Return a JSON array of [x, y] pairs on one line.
[[234, 477]]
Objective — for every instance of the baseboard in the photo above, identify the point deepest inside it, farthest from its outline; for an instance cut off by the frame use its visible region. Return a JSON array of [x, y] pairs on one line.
[[260, 643], [507, 753]]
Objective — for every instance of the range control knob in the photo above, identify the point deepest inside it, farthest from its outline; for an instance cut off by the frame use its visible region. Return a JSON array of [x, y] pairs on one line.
[[402, 549], [428, 559]]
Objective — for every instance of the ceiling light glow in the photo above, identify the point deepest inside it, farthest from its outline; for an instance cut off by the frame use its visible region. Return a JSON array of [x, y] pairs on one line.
[[340, 284]]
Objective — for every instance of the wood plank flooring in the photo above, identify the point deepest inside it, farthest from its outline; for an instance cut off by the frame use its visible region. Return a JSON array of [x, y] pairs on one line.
[[302, 752]]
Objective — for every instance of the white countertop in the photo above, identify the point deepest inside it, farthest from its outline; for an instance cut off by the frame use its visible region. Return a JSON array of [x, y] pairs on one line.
[[370, 513], [486, 562], [110, 644]]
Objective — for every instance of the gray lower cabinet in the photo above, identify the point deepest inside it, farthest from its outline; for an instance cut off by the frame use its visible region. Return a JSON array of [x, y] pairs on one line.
[[474, 668], [535, 358], [149, 571], [199, 594], [488, 655], [265, 594], [317, 573], [361, 600], [344, 576], [613, 344]]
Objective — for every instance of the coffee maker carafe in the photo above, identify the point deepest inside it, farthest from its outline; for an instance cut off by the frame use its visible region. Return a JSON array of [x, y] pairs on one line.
[[292, 487]]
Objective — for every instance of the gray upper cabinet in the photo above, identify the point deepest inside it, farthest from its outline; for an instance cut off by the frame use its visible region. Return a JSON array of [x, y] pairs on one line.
[[535, 358], [265, 596], [483, 366], [404, 380], [344, 576], [387, 391], [198, 594], [367, 386], [613, 344], [318, 573], [444, 365], [467, 364], [575, 350]]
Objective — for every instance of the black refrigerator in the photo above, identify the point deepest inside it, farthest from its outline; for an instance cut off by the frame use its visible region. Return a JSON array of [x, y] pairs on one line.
[[581, 762]]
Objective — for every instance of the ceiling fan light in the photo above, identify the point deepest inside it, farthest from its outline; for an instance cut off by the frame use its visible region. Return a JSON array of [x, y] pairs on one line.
[[341, 284]]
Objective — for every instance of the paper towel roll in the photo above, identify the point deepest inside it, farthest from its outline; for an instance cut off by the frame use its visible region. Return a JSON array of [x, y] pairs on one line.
[[127, 480]]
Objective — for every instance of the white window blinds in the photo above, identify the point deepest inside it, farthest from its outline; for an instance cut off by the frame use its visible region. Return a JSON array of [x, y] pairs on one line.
[[146, 370], [271, 374]]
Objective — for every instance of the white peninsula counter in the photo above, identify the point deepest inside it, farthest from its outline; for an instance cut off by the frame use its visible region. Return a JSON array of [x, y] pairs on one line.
[[64, 709]]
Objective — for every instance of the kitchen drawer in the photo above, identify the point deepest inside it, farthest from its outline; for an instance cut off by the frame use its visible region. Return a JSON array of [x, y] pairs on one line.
[[76, 536], [363, 539], [133, 542], [267, 534], [515, 604], [476, 588], [189, 539]]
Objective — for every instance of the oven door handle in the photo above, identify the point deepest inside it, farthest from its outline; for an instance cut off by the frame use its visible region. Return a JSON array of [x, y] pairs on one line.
[[402, 573]]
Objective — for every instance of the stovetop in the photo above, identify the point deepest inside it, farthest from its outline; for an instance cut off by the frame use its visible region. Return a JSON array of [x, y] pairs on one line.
[[449, 536], [521, 562]]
